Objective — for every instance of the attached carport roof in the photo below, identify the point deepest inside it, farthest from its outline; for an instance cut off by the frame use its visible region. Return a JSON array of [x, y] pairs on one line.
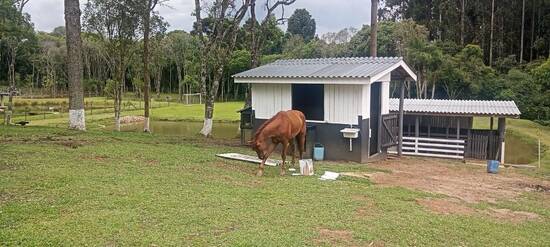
[[371, 68], [457, 107]]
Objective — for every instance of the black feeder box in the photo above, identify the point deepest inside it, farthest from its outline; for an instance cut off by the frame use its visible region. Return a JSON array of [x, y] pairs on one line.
[[246, 125]]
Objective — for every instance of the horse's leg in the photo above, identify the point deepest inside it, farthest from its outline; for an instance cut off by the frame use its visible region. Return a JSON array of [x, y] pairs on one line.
[[261, 168], [301, 144], [262, 164], [283, 156], [293, 147]]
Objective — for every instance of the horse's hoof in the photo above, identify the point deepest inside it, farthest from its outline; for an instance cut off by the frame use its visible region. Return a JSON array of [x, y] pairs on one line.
[[259, 173], [282, 174]]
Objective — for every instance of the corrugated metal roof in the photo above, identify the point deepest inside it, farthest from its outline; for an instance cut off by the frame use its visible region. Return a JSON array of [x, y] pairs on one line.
[[347, 67], [457, 107]]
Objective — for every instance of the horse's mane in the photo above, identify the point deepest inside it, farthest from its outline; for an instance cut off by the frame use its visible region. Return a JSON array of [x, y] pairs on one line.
[[262, 127]]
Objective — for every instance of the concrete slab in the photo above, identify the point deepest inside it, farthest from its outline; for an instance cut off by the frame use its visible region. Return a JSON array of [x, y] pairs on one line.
[[248, 158]]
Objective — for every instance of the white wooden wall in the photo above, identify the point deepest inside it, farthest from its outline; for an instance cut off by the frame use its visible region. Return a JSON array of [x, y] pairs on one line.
[[268, 99], [343, 103]]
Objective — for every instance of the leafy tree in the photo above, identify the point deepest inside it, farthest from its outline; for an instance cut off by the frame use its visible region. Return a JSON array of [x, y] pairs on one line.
[[216, 48], [522, 89], [294, 47], [301, 23], [183, 51], [58, 31], [16, 34], [115, 22], [481, 79], [340, 37], [358, 45], [425, 58], [240, 61], [405, 33], [451, 78], [541, 76]]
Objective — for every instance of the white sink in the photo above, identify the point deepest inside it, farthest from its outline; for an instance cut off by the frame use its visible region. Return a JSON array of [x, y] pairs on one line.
[[350, 132]]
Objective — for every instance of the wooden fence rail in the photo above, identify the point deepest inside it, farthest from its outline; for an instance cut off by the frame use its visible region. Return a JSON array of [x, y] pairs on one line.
[[433, 147]]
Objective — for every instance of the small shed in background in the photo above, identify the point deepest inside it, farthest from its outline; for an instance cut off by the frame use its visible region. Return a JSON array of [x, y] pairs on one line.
[[444, 128]]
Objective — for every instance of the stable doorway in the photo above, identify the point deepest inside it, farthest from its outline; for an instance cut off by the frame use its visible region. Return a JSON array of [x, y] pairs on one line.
[[309, 99]]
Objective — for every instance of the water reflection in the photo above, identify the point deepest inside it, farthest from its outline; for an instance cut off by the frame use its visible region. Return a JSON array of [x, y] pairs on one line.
[[188, 129]]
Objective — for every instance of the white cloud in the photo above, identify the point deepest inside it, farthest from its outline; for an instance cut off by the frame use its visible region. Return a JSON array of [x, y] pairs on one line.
[[330, 15]]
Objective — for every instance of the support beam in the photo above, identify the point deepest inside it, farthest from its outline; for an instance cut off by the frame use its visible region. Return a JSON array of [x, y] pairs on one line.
[[401, 101], [417, 127], [416, 132], [457, 128], [501, 134]]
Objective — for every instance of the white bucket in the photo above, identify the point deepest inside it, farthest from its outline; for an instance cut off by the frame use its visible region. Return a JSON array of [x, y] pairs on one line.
[[306, 167]]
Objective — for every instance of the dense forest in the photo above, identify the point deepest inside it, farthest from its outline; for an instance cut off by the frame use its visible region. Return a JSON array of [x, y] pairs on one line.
[[459, 49]]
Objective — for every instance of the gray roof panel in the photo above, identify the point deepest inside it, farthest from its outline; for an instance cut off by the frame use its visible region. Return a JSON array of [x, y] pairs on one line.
[[457, 107], [349, 67]]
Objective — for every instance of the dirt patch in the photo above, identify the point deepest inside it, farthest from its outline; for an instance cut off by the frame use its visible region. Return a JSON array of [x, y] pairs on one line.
[[368, 207], [361, 174], [71, 143], [510, 215], [131, 119], [536, 187], [471, 184], [446, 206], [153, 162], [63, 141], [332, 237], [453, 206]]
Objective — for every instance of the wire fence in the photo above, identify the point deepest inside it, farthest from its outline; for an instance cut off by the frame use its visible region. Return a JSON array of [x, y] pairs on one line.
[[24, 114]]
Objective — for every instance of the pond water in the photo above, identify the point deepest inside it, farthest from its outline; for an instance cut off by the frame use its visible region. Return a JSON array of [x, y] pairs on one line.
[[518, 150], [187, 128]]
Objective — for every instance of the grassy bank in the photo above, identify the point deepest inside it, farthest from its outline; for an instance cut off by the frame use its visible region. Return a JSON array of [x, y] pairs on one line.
[[529, 133], [59, 187]]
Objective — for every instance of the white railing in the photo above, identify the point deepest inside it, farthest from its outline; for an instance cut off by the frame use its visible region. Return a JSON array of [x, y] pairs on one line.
[[433, 147]]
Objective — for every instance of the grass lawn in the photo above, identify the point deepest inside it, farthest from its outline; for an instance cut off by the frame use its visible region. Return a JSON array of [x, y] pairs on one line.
[[59, 187], [223, 111]]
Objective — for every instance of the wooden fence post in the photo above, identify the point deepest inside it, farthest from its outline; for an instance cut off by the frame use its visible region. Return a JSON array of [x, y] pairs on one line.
[[401, 101]]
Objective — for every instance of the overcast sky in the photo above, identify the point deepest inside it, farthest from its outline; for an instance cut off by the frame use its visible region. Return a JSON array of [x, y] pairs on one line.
[[330, 15]]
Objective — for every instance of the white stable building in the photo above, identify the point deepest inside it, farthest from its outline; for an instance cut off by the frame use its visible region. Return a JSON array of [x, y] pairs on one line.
[[345, 100]]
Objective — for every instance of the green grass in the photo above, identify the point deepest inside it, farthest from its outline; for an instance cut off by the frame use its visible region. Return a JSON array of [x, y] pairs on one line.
[[223, 112], [64, 188]]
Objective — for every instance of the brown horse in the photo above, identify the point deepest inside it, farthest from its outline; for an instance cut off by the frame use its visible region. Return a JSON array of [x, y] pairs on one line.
[[282, 128]]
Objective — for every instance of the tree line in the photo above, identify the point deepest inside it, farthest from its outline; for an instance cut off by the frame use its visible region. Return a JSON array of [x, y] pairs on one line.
[[459, 49]]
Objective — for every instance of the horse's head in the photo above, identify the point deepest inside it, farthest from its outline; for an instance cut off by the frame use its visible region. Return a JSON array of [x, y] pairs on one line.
[[261, 147]]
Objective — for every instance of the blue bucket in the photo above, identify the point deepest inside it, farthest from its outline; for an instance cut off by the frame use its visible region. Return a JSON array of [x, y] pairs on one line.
[[318, 151], [492, 166]]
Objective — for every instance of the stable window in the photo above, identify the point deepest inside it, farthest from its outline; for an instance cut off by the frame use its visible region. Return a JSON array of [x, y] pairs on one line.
[[309, 99]]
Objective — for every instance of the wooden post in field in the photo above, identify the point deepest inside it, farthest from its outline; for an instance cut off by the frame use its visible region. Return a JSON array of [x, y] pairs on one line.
[[538, 134]]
